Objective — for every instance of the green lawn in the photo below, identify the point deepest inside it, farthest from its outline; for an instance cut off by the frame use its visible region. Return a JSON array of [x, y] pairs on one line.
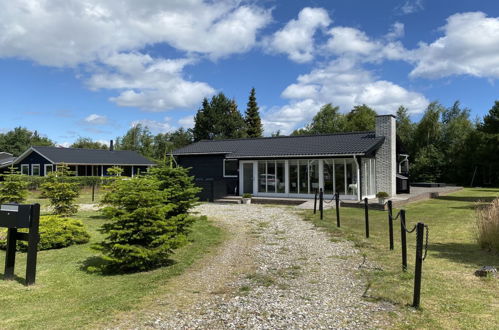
[[66, 296], [452, 297]]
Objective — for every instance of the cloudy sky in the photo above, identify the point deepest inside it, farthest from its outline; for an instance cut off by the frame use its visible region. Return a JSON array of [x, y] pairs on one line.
[[93, 68]]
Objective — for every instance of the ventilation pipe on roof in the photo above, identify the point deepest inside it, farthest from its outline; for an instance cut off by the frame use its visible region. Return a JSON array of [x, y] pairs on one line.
[[111, 145]]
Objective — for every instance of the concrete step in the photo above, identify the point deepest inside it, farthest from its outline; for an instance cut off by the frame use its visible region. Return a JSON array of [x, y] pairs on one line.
[[228, 200]]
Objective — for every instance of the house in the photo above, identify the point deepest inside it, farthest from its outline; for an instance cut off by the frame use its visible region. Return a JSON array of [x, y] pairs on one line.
[[6, 160], [39, 161], [356, 164]]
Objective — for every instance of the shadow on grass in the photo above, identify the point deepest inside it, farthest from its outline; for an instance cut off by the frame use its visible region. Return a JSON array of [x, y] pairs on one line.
[[481, 199], [16, 278], [465, 253], [97, 265]]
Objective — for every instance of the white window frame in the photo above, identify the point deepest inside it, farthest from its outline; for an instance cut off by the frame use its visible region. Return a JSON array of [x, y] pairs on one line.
[[45, 168], [229, 176], [23, 166], [33, 169]]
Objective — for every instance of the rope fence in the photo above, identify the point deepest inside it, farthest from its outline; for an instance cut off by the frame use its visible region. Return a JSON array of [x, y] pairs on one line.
[[420, 228]]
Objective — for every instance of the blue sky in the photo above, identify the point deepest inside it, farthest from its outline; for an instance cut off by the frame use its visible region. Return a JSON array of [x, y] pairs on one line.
[[94, 68]]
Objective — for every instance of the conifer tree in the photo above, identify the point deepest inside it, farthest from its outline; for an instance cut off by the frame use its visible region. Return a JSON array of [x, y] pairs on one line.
[[13, 189], [254, 126], [218, 118]]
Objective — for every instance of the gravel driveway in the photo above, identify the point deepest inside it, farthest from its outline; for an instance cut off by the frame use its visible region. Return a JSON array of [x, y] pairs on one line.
[[275, 271]]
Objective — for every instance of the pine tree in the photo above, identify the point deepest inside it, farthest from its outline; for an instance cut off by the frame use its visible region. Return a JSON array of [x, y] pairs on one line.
[[13, 189], [149, 218], [252, 119]]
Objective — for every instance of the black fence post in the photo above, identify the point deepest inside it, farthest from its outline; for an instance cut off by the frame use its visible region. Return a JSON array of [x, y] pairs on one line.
[[33, 239], [337, 200], [366, 213], [93, 192], [321, 202], [315, 201], [390, 223], [403, 239], [10, 254], [419, 264]]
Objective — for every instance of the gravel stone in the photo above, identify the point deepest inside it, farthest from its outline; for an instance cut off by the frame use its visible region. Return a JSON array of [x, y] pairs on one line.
[[276, 271]]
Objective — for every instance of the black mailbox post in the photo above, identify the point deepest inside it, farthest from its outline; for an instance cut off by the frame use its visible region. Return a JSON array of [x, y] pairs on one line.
[[14, 216]]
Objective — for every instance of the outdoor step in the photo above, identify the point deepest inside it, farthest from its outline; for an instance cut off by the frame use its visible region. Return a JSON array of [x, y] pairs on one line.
[[228, 200]]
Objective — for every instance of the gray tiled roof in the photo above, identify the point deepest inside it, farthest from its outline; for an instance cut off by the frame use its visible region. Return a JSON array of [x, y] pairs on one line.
[[92, 156], [6, 161], [358, 143]]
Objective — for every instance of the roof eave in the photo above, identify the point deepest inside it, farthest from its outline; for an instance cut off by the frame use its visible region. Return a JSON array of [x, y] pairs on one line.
[[299, 156]]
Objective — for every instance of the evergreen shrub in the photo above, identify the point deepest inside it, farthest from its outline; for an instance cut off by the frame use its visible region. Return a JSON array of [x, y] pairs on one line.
[[148, 219], [55, 233]]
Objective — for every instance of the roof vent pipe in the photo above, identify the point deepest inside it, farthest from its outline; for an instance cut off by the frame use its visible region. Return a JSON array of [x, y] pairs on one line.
[[111, 145]]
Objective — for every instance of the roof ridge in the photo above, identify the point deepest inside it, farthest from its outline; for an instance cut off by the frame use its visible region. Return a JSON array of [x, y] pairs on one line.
[[289, 136], [67, 148]]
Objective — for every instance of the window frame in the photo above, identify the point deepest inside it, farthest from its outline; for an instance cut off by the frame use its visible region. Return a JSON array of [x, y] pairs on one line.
[[45, 172], [33, 169], [237, 168], [23, 166]]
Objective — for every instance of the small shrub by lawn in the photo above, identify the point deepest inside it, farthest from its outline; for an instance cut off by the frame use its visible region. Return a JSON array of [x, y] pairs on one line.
[[55, 233]]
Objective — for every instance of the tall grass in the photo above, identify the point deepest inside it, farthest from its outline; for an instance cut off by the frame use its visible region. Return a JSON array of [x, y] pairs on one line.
[[487, 225]]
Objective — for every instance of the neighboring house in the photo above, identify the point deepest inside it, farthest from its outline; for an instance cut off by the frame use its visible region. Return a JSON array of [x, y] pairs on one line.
[[356, 164], [6, 160], [39, 161]]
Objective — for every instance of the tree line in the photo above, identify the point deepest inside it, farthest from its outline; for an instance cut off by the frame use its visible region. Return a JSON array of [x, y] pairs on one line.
[[445, 145]]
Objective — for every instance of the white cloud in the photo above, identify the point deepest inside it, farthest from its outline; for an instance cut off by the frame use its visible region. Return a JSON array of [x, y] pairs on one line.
[[186, 122], [410, 7], [397, 31], [296, 39], [148, 83], [96, 119], [70, 32], [155, 126], [352, 42], [343, 82], [470, 46]]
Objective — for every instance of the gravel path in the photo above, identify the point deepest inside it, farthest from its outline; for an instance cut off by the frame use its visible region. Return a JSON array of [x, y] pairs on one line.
[[275, 272]]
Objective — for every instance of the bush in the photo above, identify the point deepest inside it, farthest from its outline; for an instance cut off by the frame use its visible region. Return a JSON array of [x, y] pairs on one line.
[[13, 189], [142, 232], [487, 226], [247, 195], [55, 233], [180, 193], [382, 194], [61, 194]]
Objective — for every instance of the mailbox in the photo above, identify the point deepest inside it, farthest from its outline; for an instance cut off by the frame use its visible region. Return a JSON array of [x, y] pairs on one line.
[[15, 216]]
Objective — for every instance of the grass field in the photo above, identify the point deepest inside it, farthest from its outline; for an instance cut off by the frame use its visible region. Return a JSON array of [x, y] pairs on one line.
[[451, 297], [66, 296]]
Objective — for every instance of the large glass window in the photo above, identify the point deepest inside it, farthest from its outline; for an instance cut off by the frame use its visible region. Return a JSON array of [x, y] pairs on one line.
[[351, 177], [313, 168], [329, 176], [339, 171], [303, 177], [262, 176], [293, 176], [271, 177], [230, 167], [280, 176]]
